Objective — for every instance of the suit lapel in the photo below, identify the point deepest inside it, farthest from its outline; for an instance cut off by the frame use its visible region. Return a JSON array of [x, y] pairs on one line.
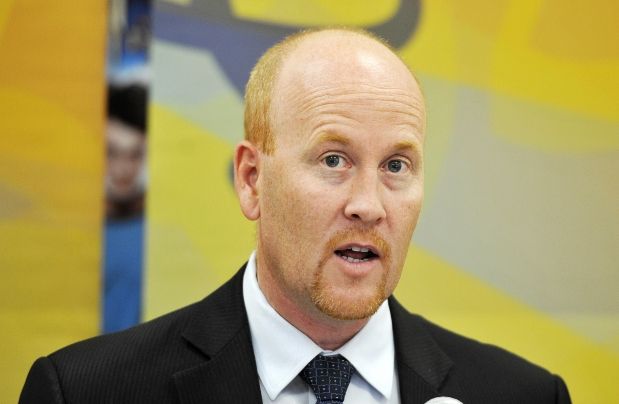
[[229, 377], [219, 329], [422, 365]]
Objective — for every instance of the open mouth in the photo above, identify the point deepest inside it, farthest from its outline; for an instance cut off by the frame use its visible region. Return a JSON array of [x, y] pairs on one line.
[[356, 254]]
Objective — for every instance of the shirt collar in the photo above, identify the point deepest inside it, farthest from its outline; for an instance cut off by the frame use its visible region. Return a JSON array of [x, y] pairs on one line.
[[282, 354]]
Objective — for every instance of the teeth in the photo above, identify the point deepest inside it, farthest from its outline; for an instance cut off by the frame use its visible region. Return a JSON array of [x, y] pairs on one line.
[[360, 249], [353, 260]]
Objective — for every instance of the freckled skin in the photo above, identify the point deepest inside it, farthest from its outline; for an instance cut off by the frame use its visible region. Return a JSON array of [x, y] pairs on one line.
[[357, 91]]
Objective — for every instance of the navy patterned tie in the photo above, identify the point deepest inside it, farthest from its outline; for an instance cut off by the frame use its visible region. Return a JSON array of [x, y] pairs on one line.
[[328, 376]]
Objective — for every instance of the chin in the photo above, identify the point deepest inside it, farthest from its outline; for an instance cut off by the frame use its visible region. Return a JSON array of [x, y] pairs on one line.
[[343, 306]]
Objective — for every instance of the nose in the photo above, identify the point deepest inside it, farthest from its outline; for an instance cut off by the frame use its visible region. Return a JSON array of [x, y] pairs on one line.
[[365, 203]]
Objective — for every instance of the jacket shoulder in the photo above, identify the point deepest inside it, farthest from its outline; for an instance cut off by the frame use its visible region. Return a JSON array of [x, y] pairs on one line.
[[126, 345], [487, 371], [483, 356], [114, 367], [139, 364], [484, 372], [161, 343]]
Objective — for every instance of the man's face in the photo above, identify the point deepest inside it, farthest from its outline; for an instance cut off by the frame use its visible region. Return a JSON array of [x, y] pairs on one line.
[[125, 161], [341, 194]]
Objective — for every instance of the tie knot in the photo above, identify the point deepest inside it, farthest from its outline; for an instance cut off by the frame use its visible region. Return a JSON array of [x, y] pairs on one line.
[[328, 376]]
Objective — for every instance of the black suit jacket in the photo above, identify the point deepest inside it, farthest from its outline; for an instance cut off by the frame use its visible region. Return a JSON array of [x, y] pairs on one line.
[[203, 354]]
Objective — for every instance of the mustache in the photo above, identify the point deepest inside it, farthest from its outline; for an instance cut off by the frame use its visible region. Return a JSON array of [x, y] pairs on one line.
[[354, 235]]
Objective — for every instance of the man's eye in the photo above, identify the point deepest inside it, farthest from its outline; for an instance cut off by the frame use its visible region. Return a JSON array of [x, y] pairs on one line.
[[395, 166], [333, 160]]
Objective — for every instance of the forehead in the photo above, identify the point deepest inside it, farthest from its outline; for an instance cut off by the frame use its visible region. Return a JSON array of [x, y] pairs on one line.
[[123, 136], [330, 56], [346, 75]]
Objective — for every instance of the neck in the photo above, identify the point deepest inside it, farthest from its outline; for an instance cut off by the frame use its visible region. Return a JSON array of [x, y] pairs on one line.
[[327, 332]]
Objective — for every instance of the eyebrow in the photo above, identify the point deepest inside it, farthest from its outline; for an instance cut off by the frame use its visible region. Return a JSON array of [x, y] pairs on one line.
[[406, 145], [330, 137]]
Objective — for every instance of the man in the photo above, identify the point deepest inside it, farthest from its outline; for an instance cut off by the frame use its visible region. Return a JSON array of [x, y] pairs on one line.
[[332, 172]]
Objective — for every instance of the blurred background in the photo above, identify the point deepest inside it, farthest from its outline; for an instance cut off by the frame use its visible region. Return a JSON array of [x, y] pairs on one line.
[[100, 101]]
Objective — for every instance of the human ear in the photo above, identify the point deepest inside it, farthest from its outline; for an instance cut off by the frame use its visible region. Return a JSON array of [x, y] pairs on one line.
[[246, 171]]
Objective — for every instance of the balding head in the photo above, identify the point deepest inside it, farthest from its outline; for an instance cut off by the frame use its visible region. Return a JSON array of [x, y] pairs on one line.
[[332, 171], [311, 58]]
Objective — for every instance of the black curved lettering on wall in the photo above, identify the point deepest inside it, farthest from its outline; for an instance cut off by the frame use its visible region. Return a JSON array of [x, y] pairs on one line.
[[237, 44]]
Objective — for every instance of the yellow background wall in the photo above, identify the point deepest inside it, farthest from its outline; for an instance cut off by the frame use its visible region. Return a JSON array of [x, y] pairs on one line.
[[51, 162], [517, 245]]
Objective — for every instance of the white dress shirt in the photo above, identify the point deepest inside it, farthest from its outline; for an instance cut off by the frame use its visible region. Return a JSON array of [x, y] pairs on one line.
[[282, 351]]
